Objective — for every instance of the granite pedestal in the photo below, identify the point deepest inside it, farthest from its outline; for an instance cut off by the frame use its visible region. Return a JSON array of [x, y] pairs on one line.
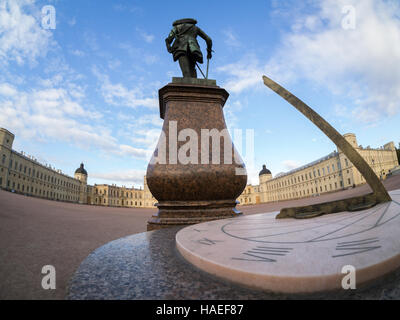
[[195, 173]]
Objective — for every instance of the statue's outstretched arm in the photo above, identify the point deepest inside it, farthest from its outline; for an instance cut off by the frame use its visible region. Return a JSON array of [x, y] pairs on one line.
[[208, 40], [169, 40]]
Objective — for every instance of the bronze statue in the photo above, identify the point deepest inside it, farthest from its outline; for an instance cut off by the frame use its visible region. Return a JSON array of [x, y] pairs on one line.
[[186, 48]]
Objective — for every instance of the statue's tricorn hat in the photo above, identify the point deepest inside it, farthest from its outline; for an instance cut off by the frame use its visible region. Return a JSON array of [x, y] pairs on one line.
[[181, 21]]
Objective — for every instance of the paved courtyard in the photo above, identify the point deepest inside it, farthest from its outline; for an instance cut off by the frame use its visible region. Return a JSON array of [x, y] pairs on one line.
[[36, 232]]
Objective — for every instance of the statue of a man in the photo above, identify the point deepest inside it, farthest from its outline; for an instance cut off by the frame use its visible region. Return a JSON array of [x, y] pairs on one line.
[[185, 47]]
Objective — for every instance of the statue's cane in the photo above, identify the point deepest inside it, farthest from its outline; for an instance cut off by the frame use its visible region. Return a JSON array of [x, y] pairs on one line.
[[208, 62], [201, 70]]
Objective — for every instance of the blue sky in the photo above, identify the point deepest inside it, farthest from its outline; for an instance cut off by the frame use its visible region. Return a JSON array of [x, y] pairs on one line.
[[87, 90]]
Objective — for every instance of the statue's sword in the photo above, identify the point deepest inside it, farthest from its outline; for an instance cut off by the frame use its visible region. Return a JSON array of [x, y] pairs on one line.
[[208, 63], [201, 70]]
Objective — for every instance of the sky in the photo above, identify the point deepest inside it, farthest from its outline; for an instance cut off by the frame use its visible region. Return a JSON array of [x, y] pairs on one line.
[[87, 90]]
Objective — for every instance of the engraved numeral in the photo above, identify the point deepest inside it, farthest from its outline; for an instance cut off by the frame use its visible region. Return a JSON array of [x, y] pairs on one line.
[[357, 246], [261, 254]]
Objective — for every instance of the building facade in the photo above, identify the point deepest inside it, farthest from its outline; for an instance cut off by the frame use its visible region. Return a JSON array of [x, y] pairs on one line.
[[23, 174], [331, 173]]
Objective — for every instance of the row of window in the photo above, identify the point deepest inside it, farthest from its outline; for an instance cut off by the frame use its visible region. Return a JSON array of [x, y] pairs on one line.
[[309, 191], [116, 202], [115, 193], [46, 185], [39, 175], [38, 192], [304, 177]]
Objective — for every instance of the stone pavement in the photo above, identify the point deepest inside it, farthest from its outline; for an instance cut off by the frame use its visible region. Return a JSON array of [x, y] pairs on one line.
[[36, 232], [147, 266]]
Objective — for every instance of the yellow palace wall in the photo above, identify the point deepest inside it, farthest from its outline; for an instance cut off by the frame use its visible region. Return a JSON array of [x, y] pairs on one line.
[[24, 174], [328, 174]]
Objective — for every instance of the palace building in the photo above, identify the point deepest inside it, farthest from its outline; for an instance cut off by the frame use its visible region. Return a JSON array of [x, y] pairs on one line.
[[331, 173], [23, 174]]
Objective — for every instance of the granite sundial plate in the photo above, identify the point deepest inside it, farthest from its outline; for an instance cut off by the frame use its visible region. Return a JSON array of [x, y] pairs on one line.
[[295, 256]]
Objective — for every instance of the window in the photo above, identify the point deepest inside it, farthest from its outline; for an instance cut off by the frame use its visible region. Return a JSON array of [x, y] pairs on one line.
[[3, 160]]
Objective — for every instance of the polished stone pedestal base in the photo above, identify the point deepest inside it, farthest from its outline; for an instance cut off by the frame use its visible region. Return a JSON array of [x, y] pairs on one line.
[[178, 213]]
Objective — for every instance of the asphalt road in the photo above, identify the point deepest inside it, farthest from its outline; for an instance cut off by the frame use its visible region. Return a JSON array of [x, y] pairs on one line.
[[36, 232]]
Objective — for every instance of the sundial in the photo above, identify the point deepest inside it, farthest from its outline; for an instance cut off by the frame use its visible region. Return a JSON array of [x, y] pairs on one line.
[[293, 255]]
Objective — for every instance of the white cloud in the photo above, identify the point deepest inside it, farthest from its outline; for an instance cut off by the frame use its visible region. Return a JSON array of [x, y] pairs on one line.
[[77, 53], [361, 64], [126, 176], [126, 150], [243, 74], [22, 39], [231, 39], [114, 64], [7, 90], [72, 21], [118, 95], [147, 37], [53, 114], [290, 164]]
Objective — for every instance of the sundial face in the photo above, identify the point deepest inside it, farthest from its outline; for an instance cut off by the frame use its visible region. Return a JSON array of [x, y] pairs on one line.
[[297, 255]]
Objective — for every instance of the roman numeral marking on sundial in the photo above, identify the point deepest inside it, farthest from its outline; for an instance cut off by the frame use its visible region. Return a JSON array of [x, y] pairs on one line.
[[264, 254], [208, 242], [357, 246]]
